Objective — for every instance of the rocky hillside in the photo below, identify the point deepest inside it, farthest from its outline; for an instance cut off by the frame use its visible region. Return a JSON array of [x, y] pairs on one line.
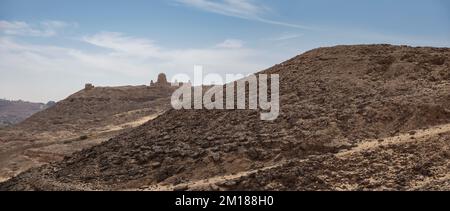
[[333, 100], [82, 120], [99, 107]]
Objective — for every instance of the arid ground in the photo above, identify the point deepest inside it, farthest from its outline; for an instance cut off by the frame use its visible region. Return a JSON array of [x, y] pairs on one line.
[[363, 117]]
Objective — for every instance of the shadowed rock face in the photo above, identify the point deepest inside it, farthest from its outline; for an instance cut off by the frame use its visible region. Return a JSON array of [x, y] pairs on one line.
[[332, 99]]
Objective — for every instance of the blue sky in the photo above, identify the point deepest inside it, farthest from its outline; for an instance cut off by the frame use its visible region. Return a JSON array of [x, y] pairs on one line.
[[50, 48]]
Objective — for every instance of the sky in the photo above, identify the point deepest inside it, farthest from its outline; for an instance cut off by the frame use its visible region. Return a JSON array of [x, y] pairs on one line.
[[50, 48]]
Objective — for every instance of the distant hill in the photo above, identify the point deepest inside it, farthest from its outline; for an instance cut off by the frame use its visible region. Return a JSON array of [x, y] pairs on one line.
[[13, 112]]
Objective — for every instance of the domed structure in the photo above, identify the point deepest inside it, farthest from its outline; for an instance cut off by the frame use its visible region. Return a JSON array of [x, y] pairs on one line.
[[161, 82], [162, 79]]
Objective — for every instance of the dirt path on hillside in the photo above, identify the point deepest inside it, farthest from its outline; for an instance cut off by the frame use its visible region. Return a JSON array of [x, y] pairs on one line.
[[413, 136], [133, 124], [205, 183], [10, 155]]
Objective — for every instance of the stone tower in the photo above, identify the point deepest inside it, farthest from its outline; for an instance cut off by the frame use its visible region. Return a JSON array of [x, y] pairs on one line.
[[162, 81], [88, 87]]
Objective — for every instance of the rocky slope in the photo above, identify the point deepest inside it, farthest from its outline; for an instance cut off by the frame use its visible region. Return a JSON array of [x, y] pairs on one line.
[[99, 107], [332, 100], [83, 120], [418, 160]]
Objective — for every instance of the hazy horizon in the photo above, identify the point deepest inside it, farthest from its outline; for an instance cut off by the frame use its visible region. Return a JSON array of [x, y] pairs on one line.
[[49, 49]]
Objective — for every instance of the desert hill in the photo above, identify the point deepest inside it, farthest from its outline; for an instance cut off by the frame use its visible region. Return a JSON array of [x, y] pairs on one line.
[[334, 102], [84, 119], [89, 110]]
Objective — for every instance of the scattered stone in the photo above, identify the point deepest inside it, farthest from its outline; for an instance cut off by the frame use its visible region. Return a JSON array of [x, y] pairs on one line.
[[216, 157], [179, 188], [155, 164]]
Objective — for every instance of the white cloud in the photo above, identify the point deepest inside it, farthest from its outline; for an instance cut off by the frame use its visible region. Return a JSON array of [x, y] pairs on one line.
[[124, 44], [43, 29], [47, 72], [245, 9], [235, 8], [227, 56], [286, 36], [231, 43]]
